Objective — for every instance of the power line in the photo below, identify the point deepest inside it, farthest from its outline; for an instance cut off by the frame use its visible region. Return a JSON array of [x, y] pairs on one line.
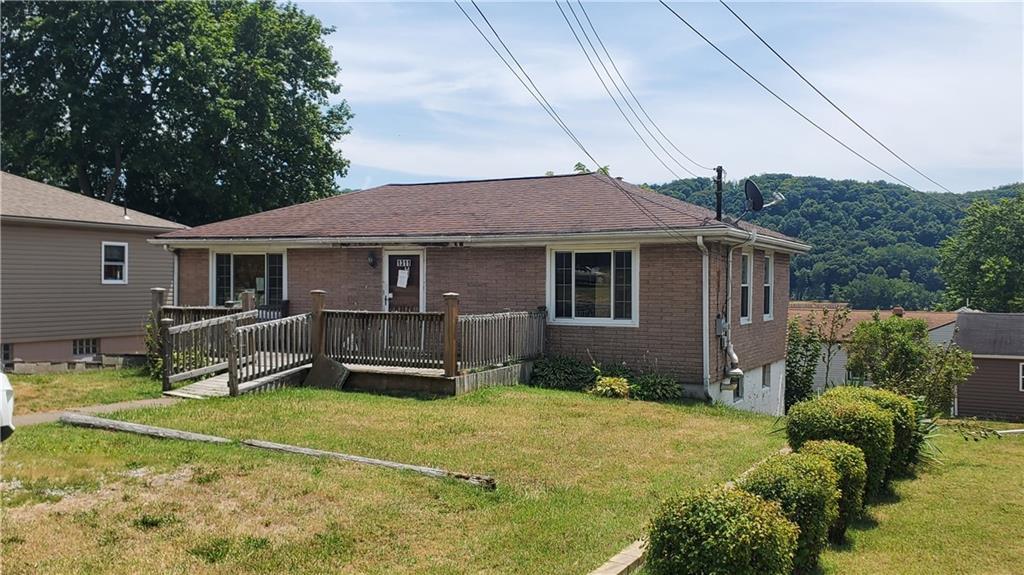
[[610, 95], [542, 101], [630, 90], [829, 100], [781, 99]]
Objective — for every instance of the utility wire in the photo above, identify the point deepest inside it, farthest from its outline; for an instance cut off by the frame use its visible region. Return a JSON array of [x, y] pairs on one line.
[[630, 90], [829, 100], [542, 101], [621, 95], [781, 99]]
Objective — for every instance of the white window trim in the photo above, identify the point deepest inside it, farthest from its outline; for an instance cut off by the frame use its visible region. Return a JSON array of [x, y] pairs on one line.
[[103, 263], [769, 282], [212, 260], [549, 285], [384, 275], [747, 319]]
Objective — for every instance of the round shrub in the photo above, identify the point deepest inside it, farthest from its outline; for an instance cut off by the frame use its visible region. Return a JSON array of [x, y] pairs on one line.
[[904, 422], [721, 531], [655, 387], [806, 487], [610, 387], [857, 422], [562, 372], [848, 461]]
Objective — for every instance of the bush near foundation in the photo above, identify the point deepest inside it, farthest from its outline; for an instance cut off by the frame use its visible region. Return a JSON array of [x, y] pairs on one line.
[[848, 462], [859, 423], [562, 372], [904, 422], [655, 387], [610, 387], [721, 531], [807, 488]]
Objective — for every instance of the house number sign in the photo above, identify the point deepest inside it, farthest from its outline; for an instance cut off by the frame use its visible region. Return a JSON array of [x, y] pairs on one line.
[[404, 263]]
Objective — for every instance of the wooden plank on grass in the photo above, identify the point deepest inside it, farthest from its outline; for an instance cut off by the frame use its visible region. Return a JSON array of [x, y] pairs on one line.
[[79, 420], [485, 481]]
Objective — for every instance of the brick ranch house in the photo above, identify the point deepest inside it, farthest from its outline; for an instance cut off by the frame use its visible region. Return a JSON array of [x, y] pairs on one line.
[[626, 274]]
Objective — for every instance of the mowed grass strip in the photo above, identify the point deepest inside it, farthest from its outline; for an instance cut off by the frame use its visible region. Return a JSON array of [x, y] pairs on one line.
[[56, 391], [965, 515], [578, 478]]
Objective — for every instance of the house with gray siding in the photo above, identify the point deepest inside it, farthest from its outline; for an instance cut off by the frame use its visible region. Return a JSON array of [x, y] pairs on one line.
[[75, 274], [996, 388], [625, 274]]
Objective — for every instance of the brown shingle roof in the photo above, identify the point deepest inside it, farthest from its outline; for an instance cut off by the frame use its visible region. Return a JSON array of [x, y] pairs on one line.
[[804, 311], [24, 198], [578, 203]]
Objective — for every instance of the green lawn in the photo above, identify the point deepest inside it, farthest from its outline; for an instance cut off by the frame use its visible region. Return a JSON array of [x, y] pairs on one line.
[[578, 478], [56, 391], [964, 516]]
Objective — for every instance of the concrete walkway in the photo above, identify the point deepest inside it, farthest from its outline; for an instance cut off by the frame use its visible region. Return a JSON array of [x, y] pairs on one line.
[[51, 416]]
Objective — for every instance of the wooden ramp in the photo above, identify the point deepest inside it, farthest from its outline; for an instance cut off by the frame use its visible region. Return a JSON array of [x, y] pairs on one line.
[[217, 386]]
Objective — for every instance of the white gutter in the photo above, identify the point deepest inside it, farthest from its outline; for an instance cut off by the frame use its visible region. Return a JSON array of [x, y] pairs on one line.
[[493, 240], [706, 329]]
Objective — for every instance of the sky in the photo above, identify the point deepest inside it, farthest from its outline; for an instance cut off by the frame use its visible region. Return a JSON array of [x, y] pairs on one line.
[[942, 84]]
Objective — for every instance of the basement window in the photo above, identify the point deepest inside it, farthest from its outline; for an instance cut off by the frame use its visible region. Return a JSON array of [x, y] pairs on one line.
[[766, 376], [7, 362], [89, 346], [114, 266], [593, 286]]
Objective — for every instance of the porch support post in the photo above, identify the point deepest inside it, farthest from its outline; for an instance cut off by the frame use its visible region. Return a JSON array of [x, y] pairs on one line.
[[248, 301], [231, 343], [316, 326], [166, 353], [451, 326], [157, 298]]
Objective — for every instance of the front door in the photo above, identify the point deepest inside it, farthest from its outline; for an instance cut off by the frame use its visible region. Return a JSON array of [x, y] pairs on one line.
[[403, 281]]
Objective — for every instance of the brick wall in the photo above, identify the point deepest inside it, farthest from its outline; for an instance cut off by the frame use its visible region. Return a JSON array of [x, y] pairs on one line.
[[486, 279], [193, 277], [344, 273]]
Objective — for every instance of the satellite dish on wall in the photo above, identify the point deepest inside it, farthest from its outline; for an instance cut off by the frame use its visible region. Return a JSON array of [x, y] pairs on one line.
[[755, 201]]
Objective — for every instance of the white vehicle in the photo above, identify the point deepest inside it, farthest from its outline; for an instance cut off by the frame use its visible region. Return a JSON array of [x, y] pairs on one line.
[[6, 408]]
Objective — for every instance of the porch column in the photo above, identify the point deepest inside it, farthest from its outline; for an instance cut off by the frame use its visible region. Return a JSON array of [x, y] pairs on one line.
[[451, 326], [316, 326]]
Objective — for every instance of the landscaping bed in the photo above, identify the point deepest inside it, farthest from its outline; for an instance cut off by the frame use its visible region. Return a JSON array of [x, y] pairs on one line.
[[578, 479]]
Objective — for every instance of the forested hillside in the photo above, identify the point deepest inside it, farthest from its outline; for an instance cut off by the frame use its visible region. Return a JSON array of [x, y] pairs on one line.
[[874, 242]]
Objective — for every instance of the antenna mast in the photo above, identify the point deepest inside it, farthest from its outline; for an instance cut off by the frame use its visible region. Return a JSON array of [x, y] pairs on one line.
[[718, 193]]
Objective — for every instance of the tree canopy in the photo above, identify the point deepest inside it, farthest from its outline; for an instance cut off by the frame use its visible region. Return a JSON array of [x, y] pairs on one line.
[[193, 111], [983, 263], [875, 244]]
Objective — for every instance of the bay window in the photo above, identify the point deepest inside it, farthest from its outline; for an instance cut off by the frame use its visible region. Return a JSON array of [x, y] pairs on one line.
[[594, 286], [262, 274]]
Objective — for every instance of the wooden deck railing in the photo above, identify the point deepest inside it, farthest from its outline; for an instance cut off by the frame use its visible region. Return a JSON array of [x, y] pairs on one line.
[[198, 348], [494, 339], [180, 315], [268, 347], [404, 339]]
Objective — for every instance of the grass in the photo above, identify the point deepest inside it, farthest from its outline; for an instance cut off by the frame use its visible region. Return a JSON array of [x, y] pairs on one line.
[[963, 516], [578, 477], [56, 391]]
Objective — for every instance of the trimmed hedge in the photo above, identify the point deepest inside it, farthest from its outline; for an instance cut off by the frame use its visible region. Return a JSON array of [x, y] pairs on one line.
[[904, 422], [859, 423], [721, 531], [562, 372], [848, 461], [806, 486]]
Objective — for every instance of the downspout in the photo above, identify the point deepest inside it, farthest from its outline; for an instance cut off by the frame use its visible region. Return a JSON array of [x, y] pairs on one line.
[[706, 329]]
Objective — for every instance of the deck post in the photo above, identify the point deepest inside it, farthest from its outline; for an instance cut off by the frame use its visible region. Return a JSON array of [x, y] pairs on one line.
[[166, 353], [543, 344], [231, 345], [248, 301], [451, 326], [316, 326], [157, 297]]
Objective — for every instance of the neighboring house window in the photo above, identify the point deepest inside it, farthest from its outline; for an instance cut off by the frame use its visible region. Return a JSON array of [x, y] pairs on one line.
[[766, 375], [115, 263], [1021, 381], [595, 286], [263, 274], [89, 346], [854, 377], [746, 270], [769, 284]]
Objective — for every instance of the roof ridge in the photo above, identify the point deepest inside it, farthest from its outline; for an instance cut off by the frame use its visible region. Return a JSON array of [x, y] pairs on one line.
[[470, 181]]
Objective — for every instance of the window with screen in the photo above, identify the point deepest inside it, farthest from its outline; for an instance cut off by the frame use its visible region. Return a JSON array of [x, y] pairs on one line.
[[594, 286], [115, 263]]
